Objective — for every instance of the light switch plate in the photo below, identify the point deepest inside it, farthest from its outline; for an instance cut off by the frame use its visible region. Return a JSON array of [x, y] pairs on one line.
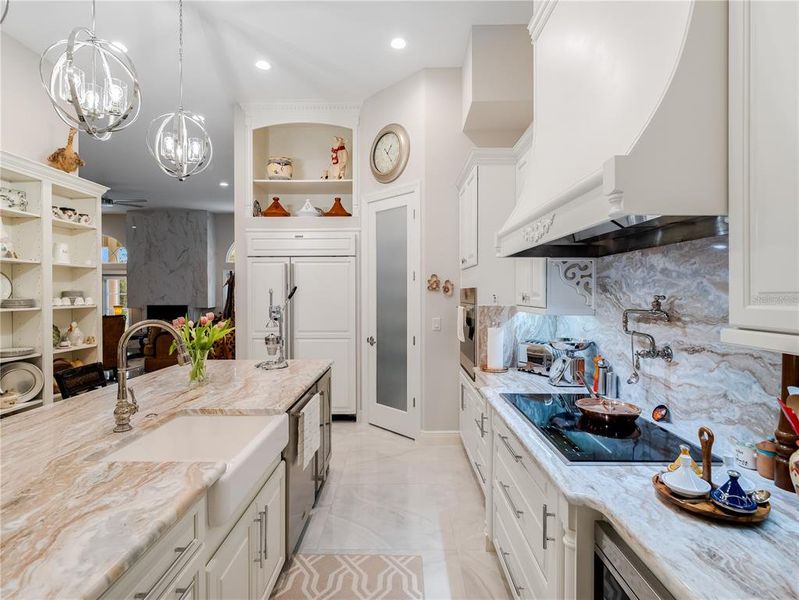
[[436, 323]]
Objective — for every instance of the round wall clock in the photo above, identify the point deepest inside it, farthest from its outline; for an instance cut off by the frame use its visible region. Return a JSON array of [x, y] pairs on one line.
[[390, 152]]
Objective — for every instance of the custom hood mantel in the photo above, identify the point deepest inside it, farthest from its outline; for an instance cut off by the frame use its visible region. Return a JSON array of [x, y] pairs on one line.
[[629, 144]]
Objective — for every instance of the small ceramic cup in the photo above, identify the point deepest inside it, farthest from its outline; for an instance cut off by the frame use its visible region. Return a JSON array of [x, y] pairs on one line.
[[766, 458], [56, 301], [89, 300], [84, 218], [69, 213], [79, 301]]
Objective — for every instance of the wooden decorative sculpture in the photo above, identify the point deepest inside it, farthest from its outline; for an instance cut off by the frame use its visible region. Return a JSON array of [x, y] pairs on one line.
[[433, 283], [339, 159], [66, 159]]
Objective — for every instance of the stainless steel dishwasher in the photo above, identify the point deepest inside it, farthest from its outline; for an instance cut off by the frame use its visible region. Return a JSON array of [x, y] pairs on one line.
[[304, 484]]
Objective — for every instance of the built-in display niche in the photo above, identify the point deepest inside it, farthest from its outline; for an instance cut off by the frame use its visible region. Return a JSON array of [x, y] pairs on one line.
[[302, 161]]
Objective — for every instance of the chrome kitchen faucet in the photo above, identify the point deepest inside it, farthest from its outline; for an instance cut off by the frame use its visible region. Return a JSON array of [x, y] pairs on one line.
[[126, 408]]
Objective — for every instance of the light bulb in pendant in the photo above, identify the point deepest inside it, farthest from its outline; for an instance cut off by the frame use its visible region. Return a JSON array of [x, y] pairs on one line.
[[115, 99], [78, 78], [195, 153], [92, 102], [168, 145]]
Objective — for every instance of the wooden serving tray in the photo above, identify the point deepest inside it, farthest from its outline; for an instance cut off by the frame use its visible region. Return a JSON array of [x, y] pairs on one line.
[[705, 508]]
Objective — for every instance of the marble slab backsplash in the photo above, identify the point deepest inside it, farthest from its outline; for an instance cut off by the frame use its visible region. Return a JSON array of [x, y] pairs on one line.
[[730, 388]]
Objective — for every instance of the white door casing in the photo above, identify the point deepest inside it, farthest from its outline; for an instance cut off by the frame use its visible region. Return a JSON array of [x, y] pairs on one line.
[[405, 422]]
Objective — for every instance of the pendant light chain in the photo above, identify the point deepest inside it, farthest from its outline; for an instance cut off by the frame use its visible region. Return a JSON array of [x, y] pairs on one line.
[[180, 52], [94, 17], [179, 141]]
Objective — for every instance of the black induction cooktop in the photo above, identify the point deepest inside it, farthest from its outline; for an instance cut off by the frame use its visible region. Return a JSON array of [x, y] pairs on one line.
[[581, 440]]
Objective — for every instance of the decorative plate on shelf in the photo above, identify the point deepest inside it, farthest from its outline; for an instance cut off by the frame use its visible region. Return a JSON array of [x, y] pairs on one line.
[[23, 378], [5, 287]]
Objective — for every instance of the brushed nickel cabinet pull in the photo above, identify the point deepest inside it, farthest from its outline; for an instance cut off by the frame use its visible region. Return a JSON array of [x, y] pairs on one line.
[[265, 514], [517, 588], [505, 487], [182, 552], [479, 471], [504, 438], [260, 559], [545, 514]]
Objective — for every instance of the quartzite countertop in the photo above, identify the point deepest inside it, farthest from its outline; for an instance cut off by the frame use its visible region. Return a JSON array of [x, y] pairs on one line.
[[72, 524], [692, 557]]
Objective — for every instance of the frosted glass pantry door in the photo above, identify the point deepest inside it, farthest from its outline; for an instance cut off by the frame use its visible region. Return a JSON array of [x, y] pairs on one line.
[[393, 313]]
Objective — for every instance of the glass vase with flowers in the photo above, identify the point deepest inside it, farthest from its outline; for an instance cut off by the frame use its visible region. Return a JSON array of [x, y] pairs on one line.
[[199, 338]]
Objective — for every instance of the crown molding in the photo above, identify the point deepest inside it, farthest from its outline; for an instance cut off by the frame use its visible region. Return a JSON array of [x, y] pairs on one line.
[[38, 170]]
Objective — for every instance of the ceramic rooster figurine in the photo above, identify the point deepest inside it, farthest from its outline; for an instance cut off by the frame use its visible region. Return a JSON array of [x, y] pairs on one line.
[[66, 158]]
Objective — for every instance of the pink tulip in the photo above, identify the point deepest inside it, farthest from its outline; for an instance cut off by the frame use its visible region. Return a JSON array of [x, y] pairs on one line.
[[191, 323], [221, 325], [181, 321], [209, 316], [203, 320], [175, 323]]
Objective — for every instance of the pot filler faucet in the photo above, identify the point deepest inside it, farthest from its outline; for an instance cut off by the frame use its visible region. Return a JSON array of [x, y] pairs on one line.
[[654, 311], [125, 408]]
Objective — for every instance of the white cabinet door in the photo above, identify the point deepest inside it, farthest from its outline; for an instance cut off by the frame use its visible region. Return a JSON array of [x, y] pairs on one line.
[[264, 274], [764, 154], [324, 305], [467, 219], [231, 573], [270, 506], [324, 321], [531, 282]]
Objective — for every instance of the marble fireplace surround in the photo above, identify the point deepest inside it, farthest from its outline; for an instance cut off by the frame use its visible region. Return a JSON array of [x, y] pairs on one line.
[[731, 388]]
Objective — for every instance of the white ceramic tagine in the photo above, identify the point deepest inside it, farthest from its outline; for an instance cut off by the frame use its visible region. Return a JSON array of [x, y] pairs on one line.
[[684, 481]]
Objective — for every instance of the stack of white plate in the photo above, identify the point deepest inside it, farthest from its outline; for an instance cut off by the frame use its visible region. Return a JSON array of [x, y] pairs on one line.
[[17, 303]]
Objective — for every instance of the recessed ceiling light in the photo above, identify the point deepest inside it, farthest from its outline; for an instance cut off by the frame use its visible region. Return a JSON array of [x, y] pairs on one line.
[[223, 184], [398, 43], [120, 45], [263, 65]]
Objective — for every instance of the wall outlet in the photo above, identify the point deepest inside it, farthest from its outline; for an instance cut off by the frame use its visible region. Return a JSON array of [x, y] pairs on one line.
[[436, 323]]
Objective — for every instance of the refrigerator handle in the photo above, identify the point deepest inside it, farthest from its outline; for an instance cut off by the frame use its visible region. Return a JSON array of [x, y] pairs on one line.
[[290, 312]]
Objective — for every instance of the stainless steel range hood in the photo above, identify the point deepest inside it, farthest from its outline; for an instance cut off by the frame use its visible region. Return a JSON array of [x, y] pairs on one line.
[[629, 142], [625, 234]]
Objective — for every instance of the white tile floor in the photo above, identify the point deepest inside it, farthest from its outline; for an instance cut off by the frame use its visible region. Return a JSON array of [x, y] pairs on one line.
[[390, 495]]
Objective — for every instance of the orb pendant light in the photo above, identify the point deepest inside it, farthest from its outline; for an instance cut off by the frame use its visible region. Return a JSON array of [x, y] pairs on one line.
[[91, 83], [179, 141]]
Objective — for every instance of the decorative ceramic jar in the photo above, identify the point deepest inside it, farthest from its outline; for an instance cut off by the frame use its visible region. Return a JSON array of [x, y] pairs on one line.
[[279, 167]]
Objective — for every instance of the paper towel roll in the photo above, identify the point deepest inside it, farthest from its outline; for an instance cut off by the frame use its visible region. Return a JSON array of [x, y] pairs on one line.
[[496, 340]]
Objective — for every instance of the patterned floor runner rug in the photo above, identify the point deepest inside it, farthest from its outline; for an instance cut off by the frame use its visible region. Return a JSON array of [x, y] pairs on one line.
[[351, 577]]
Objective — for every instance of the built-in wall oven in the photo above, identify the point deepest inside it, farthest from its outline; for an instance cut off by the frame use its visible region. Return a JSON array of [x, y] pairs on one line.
[[467, 329], [618, 573]]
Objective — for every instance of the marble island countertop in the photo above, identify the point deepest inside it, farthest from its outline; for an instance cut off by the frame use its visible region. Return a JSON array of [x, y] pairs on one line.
[[71, 524], [693, 557]]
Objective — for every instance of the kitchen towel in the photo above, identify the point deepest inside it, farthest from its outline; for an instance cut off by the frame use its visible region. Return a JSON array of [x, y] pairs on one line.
[[496, 341], [461, 322], [309, 431]]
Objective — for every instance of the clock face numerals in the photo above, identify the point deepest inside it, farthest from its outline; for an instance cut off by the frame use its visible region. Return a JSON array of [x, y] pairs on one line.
[[387, 152]]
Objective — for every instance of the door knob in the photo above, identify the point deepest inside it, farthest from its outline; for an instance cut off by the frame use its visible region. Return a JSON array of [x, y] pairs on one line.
[[371, 341]]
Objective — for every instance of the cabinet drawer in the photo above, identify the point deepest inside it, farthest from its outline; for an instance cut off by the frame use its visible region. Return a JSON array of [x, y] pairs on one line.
[[531, 480], [152, 575], [512, 561], [530, 513], [301, 243]]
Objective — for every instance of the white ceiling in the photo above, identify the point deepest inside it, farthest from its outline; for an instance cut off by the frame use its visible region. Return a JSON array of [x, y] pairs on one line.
[[326, 50]]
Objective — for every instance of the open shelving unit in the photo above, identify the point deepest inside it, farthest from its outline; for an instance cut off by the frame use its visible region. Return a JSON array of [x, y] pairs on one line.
[[308, 144], [34, 274]]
